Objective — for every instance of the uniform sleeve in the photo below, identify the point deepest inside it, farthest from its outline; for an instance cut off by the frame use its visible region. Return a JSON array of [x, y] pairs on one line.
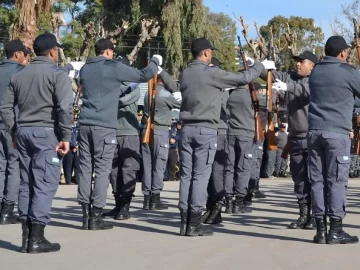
[[64, 103], [282, 76], [130, 97], [7, 110], [129, 74], [172, 102], [170, 84], [355, 82], [298, 89], [222, 79]]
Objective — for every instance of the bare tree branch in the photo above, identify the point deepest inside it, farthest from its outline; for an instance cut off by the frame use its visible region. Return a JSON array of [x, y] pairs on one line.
[[149, 29]]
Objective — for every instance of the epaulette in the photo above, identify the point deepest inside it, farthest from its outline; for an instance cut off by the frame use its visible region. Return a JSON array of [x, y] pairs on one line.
[[111, 63], [57, 68], [347, 66]]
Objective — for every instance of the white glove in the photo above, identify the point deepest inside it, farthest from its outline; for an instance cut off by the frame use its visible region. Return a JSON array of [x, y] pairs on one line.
[[177, 96], [74, 74], [159, 70], [250, 61], [268, 64], [159, 58], [279, 86]]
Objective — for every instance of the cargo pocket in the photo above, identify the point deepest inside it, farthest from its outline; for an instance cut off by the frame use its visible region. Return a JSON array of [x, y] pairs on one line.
[[211, 153], [52, 169], [343, 164], [109, 147], [163, 151], [248, 159]]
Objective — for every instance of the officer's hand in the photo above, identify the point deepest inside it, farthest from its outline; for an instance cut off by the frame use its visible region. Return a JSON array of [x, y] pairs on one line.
[[279, 86], [76, 149], [351, 134], [159, 58], [63, 148], [268, 64], [250, 61], [177, 96], [14, 145], [159, 70], [172, 141]]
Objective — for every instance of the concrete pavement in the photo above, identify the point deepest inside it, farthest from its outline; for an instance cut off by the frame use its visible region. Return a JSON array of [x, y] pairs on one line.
[[150, 240]]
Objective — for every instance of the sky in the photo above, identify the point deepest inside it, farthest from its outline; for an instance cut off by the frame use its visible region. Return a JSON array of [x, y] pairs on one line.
[[261, 11]]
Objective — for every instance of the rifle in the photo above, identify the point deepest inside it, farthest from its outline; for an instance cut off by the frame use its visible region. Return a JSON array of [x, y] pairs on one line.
[[259, 131], [356, 118], [278, 110], [270, 133], [76, 108], [148, 137]]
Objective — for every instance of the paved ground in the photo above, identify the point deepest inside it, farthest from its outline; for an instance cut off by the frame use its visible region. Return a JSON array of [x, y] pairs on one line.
[[150, 240]]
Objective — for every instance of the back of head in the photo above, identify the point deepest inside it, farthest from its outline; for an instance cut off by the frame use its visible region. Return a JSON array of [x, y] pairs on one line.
[[16, 50], [46, 45], [104, 47], [201, 49], [335, 46]]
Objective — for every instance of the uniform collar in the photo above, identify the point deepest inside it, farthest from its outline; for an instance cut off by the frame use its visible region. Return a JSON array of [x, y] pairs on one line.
[[39, 59], [98, 59], [9, 61]]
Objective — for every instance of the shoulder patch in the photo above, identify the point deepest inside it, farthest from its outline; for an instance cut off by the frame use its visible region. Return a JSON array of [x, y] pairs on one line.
[[347, 66], [110, 63]]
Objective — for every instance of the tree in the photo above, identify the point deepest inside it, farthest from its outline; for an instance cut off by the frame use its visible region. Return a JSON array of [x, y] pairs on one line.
[[221, 32], [25, 27], [291, 36]]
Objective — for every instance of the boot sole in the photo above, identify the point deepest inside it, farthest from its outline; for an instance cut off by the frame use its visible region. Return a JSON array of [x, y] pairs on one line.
[[205, 234], [99, 229], [43, 251], [332, 242]]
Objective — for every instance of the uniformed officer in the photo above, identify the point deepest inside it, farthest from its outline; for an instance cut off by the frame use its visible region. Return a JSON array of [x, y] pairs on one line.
[[154, 157], [294, 88], [42, 92], [254, 182], [16, 54], [333, 85], [100, 79], [200, 87], [241, 150], [126, 161], [281, 140], [216, 189]]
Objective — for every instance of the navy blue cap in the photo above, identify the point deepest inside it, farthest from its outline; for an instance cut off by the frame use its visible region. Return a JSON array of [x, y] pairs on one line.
[[45, 42], [307, 55], [334, 45], [103, 44], [201, 44], [16, 46]]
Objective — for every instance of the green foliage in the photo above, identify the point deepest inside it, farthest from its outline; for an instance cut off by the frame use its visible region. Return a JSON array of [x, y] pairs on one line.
[[308, 36], [221, 32], [44, 24]]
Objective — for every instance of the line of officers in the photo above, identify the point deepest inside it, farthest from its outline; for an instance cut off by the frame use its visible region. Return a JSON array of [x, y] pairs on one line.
[[217, 137]]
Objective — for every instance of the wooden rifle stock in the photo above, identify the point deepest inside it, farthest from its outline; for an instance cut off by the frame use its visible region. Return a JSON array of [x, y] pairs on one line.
[[286, 151], [148, 135], [356, 119], [76, 108], [259, 131], [270, 133]]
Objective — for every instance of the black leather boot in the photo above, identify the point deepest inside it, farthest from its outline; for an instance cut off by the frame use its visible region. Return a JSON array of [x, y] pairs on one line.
[[38, 243], [215, 215], [321, 230], [115, 211], [86, 209], [96, 222], [209, 207], [195, 228], [336, 235], [25, 225], [184, 221], [239, 206], [124, 212], [156, 204], [146, 203], [303, 219], [310, 224], [248, 199], [7, 215], [257, 193], [228, 204]]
